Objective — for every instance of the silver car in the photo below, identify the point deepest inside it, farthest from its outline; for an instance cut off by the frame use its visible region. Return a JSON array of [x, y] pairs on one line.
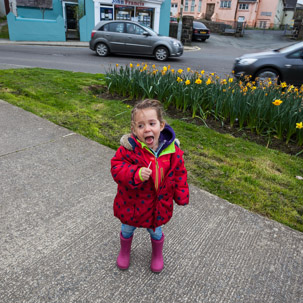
[[132, 38]]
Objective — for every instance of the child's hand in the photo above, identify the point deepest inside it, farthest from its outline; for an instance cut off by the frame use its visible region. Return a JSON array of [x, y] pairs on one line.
[[145, 173]]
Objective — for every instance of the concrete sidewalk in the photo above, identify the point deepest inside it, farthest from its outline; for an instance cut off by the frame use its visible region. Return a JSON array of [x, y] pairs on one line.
[[59, 239]]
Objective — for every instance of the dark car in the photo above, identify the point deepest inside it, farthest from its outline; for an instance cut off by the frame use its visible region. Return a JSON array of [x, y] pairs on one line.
[[200, 31], [127, 37], [283, 65]]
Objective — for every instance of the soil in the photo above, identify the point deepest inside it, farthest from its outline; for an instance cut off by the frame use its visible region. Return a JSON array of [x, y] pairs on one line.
[[273, 143]]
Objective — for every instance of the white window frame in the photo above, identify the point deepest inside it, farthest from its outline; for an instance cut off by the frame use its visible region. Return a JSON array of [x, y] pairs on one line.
[[192, 7], [244, 6], [186, 6], [200, 6], [225, 4]]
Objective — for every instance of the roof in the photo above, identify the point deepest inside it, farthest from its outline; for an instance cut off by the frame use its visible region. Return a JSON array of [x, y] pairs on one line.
[[290, 3]]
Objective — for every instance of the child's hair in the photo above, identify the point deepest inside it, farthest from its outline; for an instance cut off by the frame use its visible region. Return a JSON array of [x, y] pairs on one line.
[[148, 103]]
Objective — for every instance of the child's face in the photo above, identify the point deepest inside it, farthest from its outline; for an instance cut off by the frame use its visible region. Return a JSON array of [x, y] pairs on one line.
[[147, 127]]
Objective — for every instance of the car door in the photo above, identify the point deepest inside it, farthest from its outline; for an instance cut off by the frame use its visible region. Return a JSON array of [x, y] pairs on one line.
[[136, 41], [293, 68], [114, 34]]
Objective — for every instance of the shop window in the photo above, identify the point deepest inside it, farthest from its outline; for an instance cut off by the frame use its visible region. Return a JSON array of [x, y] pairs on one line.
[[145, 16], [124, 12], [106, 13]]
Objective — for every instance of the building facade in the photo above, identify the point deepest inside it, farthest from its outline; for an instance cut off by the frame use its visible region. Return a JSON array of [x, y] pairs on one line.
[[255, 13], [61, 20]]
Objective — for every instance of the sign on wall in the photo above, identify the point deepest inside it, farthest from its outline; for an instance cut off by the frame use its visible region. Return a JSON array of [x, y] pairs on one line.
[[36, 3]]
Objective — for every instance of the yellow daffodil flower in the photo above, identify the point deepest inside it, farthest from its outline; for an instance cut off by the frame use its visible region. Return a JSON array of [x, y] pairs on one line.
[[179, 79], [198, 81], [187, 82], [117, 65], [208, 81], [188, 69], [172, 70], [180, 71], [299, 125], [230, 80], [277, 102], [202, 72], [131, 65], [283, 84], [164, 68], [153, 66]]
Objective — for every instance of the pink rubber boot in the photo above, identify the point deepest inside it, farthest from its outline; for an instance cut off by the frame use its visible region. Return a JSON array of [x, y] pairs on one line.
[[124, 255], [157, 263]]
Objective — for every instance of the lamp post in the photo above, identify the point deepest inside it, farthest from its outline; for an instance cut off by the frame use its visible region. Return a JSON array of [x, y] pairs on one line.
[[179, 33]]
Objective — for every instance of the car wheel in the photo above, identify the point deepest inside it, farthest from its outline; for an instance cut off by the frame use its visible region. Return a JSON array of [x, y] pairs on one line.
[[203, 40], [267, 73], [102, 50], [161, 53]]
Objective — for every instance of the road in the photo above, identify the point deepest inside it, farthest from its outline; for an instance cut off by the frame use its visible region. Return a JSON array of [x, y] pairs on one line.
[[215, 55]]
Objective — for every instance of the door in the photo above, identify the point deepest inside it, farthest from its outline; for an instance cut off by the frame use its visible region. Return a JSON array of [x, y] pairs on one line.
[[115, 36], [70, 14], [136, 42], [210, 8]]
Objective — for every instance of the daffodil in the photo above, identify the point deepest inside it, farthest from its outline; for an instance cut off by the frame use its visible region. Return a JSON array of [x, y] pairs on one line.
[[179, 79], [198, 81], [117, 65], [164, 68], [153, 66], [202, 72], [208, 81], [230, 80], [188, 69], [187, 82], [299, 125], [223, 81], [277, 102], [131, 65], [138, 65], [172, 70], [283, 84], [180, 71]]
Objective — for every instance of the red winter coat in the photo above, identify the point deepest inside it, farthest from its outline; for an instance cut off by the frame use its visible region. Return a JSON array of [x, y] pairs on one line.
[[148, 204]]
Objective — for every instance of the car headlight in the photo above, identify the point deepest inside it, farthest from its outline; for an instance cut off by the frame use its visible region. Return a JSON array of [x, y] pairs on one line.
[[176, 43], [247, 61]]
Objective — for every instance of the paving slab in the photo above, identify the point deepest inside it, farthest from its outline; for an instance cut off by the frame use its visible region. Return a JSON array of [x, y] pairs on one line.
[[59, 239]]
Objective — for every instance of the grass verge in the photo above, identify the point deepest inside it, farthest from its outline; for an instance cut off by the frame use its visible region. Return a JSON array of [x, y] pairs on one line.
[[259, 179]]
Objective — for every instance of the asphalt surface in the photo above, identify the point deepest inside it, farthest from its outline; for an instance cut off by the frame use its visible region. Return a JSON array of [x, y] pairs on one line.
[[59, 239]]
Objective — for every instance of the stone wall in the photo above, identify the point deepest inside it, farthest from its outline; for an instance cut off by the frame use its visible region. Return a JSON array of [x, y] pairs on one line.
[[187, 29]]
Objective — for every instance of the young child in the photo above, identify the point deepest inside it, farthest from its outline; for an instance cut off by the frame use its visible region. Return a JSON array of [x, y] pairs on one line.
[[150, 172]]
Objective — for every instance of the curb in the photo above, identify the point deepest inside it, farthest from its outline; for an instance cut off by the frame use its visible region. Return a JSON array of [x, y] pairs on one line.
[[67, 43]]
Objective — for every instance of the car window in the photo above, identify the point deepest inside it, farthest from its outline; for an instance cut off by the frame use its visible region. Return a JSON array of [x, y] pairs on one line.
[[134, 29], [296, 55], [113, 27], [199, 25]]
